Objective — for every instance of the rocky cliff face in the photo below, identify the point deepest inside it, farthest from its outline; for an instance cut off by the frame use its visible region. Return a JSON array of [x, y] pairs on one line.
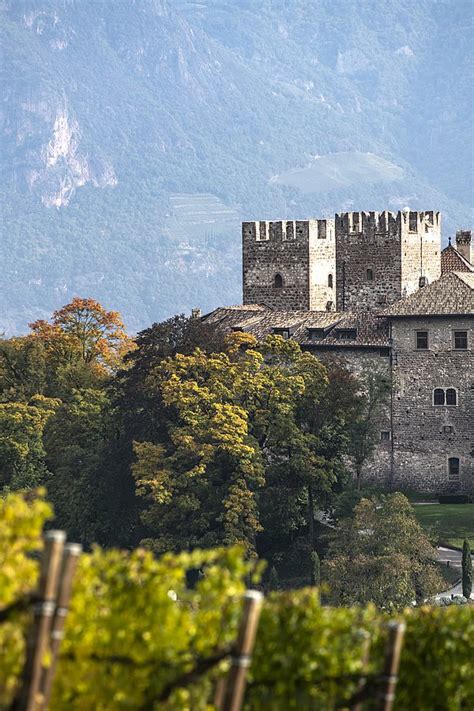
[[136, 135]]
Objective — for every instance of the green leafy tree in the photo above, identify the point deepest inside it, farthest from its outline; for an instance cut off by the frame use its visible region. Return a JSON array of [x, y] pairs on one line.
[[23, 369], [373, 395], [77, 442], [466, 569], [231, 427], [381, 555], [22, 453]]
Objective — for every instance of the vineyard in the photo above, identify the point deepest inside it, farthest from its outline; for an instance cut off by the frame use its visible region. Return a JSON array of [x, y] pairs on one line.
[[147, 633]]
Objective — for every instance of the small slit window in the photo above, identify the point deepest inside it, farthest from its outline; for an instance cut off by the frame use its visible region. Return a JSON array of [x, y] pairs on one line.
[[438, 397], [385, 436], [453, 468], [370, 274], [330, 281], [278, 281]]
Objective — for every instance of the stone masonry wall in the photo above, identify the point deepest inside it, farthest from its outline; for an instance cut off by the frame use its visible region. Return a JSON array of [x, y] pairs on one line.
[[368, 260], [422, 445], [271, 248]]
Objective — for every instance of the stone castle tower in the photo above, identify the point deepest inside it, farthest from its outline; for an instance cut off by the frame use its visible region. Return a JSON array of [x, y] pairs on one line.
[[358, 261]]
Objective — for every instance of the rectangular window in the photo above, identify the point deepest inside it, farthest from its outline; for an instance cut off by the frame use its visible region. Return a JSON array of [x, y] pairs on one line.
[[453, 468], [385, 436], [346, 334], [422, 340], [460, 340], [283, 332], [448, 429]]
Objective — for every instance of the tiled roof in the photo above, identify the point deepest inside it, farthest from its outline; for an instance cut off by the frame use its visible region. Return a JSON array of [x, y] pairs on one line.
[[453, 261], [450, 295], [371, 330]]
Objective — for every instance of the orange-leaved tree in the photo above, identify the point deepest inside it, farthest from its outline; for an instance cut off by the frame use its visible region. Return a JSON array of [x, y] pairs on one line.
[[84, 330]]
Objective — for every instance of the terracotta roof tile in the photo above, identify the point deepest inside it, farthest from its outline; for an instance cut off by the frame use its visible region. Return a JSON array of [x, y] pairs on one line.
[[451, 294], [453, 261]]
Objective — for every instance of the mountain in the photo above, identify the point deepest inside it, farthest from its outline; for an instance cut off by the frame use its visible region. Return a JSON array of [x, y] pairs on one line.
[[137, 134]]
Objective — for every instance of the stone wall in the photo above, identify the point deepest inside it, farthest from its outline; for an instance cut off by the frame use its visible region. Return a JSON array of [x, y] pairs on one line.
[[422, 440], [271, 249]]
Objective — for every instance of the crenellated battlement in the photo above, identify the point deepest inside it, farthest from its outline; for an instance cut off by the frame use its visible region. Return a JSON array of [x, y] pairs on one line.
[[287, 230], [357, 260], [349, 223]]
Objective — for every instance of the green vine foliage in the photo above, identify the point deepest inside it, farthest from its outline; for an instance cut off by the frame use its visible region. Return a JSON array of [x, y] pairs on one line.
[[137, 624]]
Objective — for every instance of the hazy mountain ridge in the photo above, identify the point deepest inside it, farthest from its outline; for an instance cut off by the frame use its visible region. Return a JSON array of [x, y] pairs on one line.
[[109, 110]]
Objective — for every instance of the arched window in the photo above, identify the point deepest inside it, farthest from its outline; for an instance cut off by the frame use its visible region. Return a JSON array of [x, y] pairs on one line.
[[451, 397], [438, 397], [370, 274], [453, 468], [278, 281], [330, 281]]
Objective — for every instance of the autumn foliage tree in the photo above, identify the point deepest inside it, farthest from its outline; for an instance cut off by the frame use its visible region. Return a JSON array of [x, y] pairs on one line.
[[86, 332]]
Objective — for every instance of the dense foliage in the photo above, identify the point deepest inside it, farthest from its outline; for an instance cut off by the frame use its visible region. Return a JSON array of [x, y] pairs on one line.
[[138, 623], [381, 555]]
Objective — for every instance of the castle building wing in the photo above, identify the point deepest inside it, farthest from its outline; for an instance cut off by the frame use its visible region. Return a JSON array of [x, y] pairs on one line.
[[451, 294]]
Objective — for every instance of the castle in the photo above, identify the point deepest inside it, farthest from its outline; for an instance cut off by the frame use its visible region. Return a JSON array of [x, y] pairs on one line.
[[377, 291]]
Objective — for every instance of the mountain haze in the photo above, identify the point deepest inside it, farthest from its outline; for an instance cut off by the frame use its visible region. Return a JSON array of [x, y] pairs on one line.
[[137, 134]]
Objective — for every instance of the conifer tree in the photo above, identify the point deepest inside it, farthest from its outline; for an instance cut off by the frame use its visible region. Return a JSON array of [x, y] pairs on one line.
[[466, 569], [315, 569], [273, 581]]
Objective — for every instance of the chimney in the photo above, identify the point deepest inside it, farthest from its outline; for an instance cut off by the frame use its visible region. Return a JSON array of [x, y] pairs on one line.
[[195, 313], [464, 244]]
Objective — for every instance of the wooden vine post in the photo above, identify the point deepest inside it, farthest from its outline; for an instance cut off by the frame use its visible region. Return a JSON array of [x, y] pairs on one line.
[[27, 698], [72, 551], [230, 692], [389, 679]]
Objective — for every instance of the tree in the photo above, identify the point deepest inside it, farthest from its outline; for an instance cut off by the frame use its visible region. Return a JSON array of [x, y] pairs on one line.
[[315, 568], [83, 331], [381, 555], [273, 580], [466, 569], [373, 395], [230, 427], [22, 453], [23, 370]]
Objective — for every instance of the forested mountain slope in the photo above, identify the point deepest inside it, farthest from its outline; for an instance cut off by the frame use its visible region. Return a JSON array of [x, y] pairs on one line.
[[137, 134]]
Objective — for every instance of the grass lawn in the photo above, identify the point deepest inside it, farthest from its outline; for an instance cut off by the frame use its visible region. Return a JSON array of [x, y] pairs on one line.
[[448, 523]]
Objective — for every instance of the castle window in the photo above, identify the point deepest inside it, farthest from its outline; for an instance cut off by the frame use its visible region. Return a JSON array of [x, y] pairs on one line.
[[451, 397], [370, 274], [322, 231], [453, 468], [421, 340], [330, 281], [316, 334], [460, 340], [283, 332], [346, 334], [385, 436], [448, 429], [412, 222], [448, 396], [278, 281]]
